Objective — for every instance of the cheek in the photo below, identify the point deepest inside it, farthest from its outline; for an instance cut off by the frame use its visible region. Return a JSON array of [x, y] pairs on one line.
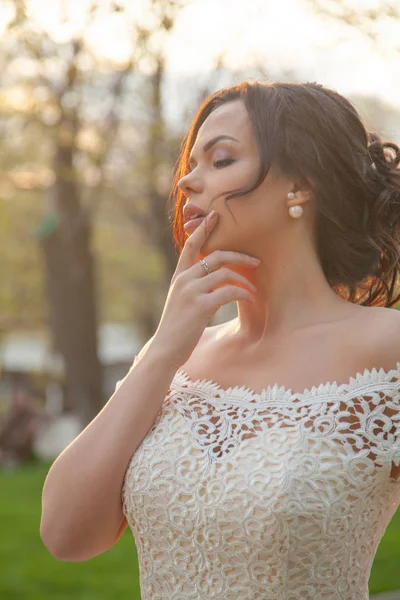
[[231, 235], [244, 220], [266, 204], [251, 211], [243, 173], [239, 174]]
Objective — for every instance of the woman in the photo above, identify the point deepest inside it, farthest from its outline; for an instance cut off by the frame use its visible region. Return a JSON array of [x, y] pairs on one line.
[[259, 458]]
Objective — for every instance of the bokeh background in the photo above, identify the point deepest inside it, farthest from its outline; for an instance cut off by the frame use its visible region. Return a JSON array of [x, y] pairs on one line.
[[95, 97]]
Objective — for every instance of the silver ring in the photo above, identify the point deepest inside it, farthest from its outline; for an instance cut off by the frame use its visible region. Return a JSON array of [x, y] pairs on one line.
[[205, 265]]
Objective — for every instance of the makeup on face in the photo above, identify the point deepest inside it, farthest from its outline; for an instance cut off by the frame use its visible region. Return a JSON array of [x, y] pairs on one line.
[[207, 147]]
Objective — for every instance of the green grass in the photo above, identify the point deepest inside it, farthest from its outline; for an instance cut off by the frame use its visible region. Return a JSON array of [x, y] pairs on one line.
[[30, 572]]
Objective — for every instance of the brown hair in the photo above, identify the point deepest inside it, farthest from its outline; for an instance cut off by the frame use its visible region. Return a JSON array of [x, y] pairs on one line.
[[312, 133]]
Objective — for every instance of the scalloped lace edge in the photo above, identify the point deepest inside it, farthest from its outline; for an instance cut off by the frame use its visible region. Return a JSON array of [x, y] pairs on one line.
[[369, 376]]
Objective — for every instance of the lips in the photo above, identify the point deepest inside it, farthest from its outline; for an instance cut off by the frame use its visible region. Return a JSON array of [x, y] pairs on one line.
[[192, 223], [192, 211]]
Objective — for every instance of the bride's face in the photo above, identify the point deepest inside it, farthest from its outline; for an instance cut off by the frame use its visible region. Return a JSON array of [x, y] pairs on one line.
[[229, 163]]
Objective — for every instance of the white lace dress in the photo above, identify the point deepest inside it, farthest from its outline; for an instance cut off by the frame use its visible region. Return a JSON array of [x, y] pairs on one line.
[[234, 495]]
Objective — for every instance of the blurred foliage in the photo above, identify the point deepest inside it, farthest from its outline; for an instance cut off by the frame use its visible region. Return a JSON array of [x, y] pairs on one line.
[[59, 92], [22, 299], [365, 18]]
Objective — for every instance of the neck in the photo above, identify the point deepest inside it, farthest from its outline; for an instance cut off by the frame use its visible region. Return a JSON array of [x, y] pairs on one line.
[[292, 294]]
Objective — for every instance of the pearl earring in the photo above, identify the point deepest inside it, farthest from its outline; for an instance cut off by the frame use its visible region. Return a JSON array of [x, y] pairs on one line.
[[295, 211]]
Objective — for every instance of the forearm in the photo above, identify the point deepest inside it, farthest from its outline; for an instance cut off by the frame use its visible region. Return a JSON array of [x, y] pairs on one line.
[[81, 501]]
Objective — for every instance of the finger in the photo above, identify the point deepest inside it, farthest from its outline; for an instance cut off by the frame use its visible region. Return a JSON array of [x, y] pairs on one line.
[[195, 242]]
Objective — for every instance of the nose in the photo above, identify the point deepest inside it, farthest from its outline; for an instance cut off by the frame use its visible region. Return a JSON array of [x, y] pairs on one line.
[[190, 183]]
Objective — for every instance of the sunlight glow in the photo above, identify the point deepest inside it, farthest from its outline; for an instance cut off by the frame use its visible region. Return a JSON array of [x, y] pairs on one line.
[[285, 36]]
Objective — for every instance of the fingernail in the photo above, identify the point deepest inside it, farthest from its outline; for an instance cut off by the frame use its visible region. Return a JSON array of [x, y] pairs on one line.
[[256, 261], [212, 214]]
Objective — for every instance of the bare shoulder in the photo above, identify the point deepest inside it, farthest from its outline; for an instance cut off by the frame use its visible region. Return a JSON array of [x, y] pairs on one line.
[[386, 336], [387, 321], [209, 333], [374, 335], [214, 332]]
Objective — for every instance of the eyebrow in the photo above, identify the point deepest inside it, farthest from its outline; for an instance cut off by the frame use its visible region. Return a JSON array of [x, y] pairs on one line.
[[213, 141]]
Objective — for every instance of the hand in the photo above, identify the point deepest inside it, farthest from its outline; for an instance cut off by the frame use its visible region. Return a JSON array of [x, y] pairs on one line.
[[194, 296]]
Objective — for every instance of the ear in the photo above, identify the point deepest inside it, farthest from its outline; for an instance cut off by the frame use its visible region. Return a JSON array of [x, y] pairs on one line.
[[301, 196]]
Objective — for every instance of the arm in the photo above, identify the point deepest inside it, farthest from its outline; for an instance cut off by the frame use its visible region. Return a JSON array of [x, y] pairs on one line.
[[81, 501]]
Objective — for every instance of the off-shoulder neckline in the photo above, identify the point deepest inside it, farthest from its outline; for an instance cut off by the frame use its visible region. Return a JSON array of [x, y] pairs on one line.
[[280, 392]]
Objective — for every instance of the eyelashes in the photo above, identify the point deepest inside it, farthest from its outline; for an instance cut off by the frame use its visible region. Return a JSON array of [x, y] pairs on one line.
[[219, 164]]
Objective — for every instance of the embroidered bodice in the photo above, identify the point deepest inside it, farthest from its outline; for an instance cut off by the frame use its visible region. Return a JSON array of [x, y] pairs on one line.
[[234, 495]]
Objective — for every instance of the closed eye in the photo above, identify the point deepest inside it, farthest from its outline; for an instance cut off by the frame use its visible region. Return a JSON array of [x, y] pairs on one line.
[[219, 164]]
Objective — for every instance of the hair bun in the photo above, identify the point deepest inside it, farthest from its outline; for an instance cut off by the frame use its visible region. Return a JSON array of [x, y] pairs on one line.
[[385, 155]]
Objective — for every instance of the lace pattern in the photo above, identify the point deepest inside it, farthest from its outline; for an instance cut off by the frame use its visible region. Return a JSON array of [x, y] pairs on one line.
[[239, 495]]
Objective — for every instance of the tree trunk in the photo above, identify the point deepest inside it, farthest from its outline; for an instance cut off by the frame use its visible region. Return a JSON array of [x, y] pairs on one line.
[[70, 278]]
